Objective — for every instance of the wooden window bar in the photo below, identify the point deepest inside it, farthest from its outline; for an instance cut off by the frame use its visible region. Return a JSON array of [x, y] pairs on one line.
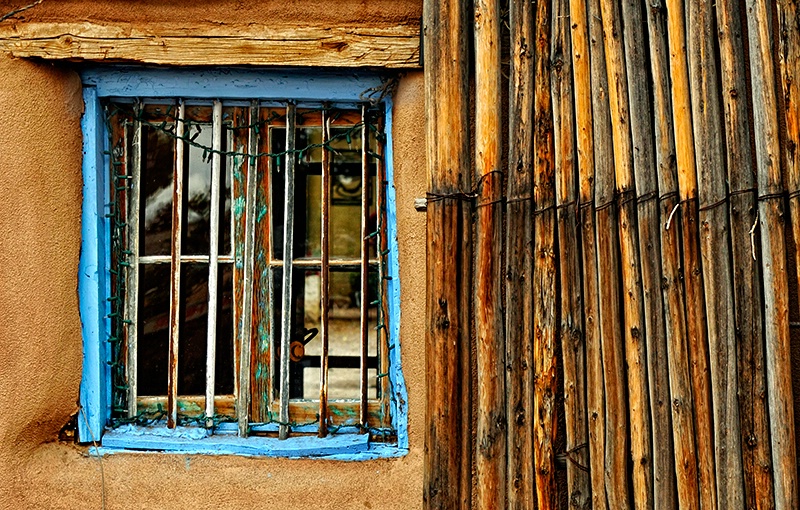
[[288, 244], [365, 236], [132, 301], [324, 276], [213, 260]]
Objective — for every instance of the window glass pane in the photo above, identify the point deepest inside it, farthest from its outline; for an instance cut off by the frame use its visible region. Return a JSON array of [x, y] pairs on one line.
[[197, 193], [193, 329], [223, 375], [153, 329], [158, 159], [345, 219]]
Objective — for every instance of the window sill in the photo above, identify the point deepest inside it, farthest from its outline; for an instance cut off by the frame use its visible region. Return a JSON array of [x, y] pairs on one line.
[[194, 441]]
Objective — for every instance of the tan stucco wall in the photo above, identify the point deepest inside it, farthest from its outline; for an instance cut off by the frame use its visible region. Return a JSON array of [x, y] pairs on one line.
[[40, 338]]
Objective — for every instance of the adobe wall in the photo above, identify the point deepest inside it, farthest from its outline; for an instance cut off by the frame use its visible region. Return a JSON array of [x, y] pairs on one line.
[[40, 335]]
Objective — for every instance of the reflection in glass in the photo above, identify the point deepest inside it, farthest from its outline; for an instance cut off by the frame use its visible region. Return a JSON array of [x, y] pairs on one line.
[[156, 191], [193, 328], [223, 375], [197, 191], [153, 328]]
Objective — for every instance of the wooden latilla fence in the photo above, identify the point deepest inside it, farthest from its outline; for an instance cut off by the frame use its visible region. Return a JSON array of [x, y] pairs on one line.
[[609, 190]]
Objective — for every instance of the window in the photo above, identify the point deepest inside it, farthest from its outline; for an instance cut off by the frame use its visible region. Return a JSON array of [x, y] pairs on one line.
[[248, 248]]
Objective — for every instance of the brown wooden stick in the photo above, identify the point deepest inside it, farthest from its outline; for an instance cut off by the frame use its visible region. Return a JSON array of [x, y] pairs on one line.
[[634, 332], [544, 270], [584, 132], [716, 252], [680, 391], [789, 59], [644, 163], [751, 381], [695, 305], [519, 261], [773, 248], [617, 476], [447, 478], [573, 349], [490, 460]]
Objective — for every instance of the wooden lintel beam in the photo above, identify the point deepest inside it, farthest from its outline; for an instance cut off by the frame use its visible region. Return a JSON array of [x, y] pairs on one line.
[[389, 46]]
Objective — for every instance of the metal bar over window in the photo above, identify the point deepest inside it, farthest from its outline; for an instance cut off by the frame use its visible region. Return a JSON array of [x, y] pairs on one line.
[[132, 302], [243, 398], [364, 413], [324, 276], [382, 249], [213, 260], [175, 290], [288, 241]]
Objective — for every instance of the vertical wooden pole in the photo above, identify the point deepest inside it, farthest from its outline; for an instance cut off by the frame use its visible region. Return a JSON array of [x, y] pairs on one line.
[[447, 475], [773, 249], [570, 336], [789, 58], [490, 459], [695, 306], [365, 240], [248, 280], [175, 269], [519, 260], [616, 472], [325, 214], [634, 332], [646, 181], [679, 399], [751, 380], [132, 286], [213, 261], [544, 269], [288, 280], [584, 131], [716, 252]]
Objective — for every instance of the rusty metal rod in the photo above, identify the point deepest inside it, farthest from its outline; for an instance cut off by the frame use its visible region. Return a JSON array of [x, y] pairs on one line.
[[213, 261], [324, 276], [288, 241], [175, 290]]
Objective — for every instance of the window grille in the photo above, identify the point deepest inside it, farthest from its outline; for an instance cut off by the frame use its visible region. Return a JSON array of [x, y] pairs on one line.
[[248, 247]]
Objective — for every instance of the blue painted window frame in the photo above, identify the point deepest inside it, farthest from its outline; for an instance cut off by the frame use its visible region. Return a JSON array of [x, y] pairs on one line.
[[94, 278]]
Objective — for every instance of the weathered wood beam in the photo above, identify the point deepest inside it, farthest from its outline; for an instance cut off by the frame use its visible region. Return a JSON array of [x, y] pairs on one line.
[[519, 260], [584, 138], [640, 111], [570, 328], [680, 400], [773, 251], [743, 210], [789, 58], [544, 269], [634, 332], [447, 462], [490, 457], [715, 251], [616, 473], [364, 45], [693, 277]]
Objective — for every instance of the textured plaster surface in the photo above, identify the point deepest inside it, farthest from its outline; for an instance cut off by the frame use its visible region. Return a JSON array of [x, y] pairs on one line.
[[40, 337]]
